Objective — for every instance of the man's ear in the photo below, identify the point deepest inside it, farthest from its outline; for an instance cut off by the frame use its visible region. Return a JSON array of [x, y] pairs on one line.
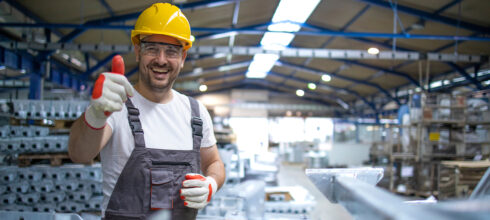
[[137, 52], [184, 55]]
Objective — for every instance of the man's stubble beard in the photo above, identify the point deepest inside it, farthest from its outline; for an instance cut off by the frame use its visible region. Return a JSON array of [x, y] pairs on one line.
[[144, 76]]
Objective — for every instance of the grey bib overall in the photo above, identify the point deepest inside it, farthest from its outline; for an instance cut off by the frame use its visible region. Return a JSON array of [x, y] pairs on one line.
[[152, 178]]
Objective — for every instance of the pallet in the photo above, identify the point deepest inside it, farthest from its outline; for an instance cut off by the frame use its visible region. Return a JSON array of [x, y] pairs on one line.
[[52, 123], [57, 159]]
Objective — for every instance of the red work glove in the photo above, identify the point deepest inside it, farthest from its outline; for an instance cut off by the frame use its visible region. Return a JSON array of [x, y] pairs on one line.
[[197, 190], [110, 92]]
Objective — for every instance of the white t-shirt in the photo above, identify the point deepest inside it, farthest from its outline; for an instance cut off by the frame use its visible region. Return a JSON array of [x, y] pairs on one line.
[[166, 126]]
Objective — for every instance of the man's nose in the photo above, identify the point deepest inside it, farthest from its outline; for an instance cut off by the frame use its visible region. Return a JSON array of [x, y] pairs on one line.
[[161, 57]]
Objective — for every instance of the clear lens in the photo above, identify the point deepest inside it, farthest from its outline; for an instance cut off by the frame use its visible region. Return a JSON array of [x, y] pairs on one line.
[[154, 49]]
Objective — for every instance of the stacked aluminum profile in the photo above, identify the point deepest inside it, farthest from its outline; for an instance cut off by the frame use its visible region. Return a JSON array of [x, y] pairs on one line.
[[30, 139], [49, 109], [69, 188]]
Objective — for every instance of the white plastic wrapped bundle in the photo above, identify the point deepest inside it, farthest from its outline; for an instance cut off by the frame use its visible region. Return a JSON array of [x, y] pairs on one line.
[[95, 202], [34, 144], [32, 175], [10, 146], [19, 208], [69, 207], [54, 197], [30, 198], [45, 207], [4, 131], [9, 198], [19, 187], [21, 107], [67, 185], [44, 186], [80, 196], [8, 174], [55, 174], [91, 186]]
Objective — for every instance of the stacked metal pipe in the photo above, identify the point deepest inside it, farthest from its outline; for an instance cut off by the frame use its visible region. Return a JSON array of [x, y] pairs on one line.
[[30, 139], [48, 109], [69, 188]]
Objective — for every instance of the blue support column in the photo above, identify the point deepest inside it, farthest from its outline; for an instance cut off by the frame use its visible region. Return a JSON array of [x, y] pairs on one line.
[[357, 133], [35, 86]]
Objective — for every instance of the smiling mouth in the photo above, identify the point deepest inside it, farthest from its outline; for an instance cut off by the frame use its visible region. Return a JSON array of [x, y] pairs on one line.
[[160, 70], [160, 73]]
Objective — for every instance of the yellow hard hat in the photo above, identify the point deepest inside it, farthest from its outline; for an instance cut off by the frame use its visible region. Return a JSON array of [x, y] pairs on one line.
[[164, 19]]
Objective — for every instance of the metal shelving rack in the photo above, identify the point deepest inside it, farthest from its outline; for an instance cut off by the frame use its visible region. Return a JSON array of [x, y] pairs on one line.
[[442, 128]]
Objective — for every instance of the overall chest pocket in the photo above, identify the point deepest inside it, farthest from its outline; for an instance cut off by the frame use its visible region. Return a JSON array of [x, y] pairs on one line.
[[166, 180], [162, 189]]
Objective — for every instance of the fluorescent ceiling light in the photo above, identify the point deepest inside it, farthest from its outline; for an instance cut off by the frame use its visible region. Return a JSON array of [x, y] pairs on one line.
[[287, 10], [219, 36], [259, 75], [300, 92], [459, 79], [197, 70], [482, 73], [232, 66], [312, 86], [342, 103], [373, 50], [203, 88], [326, 77], [284, 26], [263, 62], [276, 41], [294, 10], [436, 84]]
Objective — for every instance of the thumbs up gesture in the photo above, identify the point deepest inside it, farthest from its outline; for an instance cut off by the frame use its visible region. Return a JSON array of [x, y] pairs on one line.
[[111, 90]]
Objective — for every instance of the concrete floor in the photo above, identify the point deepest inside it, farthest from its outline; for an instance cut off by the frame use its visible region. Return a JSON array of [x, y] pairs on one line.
[[294, 175]]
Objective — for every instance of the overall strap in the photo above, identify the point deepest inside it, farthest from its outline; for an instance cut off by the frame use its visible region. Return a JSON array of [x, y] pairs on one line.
[[196, 124], [135, 124]]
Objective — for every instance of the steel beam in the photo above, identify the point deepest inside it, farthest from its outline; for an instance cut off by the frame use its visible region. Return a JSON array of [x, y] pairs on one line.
[[430, 16], [463, 72], [340, 54], [224, 68], [320, 72], [99, 65], [81, 28], [333, 88], [392, 72], [132, 71], [349, 23], [107, 7]]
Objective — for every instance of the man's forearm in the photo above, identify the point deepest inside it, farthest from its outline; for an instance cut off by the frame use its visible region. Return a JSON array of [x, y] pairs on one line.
[[85, 143], [216, 170]]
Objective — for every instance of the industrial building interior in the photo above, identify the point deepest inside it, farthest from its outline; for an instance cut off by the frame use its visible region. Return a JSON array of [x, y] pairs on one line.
[[322, 109]]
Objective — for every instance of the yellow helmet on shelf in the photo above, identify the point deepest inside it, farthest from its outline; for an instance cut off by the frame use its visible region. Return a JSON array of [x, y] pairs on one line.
[[165, 19]]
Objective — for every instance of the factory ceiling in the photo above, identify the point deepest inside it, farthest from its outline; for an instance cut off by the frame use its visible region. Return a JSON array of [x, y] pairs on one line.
[[420, 43]]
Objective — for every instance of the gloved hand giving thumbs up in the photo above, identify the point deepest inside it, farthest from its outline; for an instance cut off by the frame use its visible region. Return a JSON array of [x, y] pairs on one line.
[[110, 92]]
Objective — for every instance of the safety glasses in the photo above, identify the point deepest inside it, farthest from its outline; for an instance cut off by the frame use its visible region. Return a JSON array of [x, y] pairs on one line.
[[154, 49]]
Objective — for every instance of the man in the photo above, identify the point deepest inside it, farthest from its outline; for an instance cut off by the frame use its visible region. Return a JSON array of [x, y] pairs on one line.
[[152, 144]]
